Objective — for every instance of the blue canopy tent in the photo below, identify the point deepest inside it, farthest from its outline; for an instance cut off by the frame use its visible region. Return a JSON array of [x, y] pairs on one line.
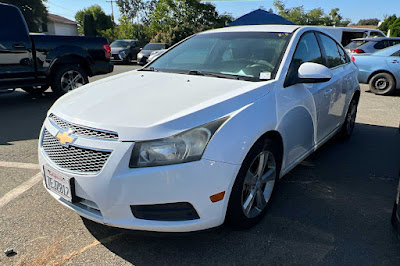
[[260, 17]]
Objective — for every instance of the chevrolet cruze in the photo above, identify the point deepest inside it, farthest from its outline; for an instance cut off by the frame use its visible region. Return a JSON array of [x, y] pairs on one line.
[[202, 134]]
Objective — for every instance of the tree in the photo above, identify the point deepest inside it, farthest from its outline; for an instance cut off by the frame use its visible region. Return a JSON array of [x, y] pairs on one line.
[[369, 21], [127, 30], [101, 21], [395, 28], [34, 11], [315, 16], [387, 22], [89, 27], [137, 9], [173, 21]]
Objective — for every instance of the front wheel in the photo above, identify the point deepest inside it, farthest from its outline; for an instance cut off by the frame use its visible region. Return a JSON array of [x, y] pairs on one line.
[[68, 78], [382, 84], [348, 126], [254, 185]]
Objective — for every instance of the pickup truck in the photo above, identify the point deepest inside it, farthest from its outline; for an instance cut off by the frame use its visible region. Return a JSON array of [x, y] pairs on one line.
[[34, 62]]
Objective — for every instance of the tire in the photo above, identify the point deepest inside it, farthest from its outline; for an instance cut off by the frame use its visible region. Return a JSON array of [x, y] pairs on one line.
[[128, 60], [65, 74], [36, 89], [348, 126], [243, 210], [382, 84]]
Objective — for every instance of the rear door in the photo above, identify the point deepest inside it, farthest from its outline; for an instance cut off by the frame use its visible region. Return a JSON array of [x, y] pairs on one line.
[[16, 64], [336, 94], [393, 62]]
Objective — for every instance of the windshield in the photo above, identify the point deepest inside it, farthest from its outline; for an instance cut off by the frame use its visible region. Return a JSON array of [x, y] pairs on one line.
[[154, 46], [355, 44], [255, 55], [123, 44]]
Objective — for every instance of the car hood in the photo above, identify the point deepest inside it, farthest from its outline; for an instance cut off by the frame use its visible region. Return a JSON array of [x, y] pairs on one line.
[[150, 105], [147, 52], [117, 49]]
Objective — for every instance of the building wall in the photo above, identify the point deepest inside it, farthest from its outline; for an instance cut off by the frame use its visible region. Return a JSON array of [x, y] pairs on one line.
[[65, 29]]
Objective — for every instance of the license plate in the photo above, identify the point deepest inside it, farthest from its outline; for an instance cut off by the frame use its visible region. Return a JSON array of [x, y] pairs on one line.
[[59, 184]]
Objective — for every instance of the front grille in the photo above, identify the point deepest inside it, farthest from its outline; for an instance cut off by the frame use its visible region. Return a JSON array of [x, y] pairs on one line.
[[73, 158], [83, 131]]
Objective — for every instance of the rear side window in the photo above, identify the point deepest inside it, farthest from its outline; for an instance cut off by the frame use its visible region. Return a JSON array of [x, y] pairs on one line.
[[380, 45], [333, 57], [13, 27], [307, 50], [343, 56], [396, 53]]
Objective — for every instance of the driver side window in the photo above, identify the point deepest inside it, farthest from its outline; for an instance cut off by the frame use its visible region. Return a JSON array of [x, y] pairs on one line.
[[307, 50]]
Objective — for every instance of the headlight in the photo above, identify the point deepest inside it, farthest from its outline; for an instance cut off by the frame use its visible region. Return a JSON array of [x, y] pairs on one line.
[[122, 53], [184, 147]]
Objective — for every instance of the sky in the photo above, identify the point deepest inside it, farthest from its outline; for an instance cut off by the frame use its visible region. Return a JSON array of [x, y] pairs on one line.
[[352, 9]]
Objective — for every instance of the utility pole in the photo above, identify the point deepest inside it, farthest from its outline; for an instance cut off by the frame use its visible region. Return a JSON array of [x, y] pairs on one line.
[[112, 8]]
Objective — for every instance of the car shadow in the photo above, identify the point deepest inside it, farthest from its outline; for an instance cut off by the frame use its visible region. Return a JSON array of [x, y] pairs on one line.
[[22, 115], [334, 208]]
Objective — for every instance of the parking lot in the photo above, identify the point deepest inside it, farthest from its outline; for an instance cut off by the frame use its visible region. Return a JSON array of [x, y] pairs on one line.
[[334, 208]]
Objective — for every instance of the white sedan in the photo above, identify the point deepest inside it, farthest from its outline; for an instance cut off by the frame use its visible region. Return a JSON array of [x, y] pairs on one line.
[[202, 134]]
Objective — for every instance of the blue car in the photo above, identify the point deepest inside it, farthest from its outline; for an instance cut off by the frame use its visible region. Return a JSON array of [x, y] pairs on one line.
[[381, 70]]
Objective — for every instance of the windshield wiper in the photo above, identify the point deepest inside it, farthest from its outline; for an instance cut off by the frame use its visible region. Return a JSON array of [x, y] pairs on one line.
[[148, 69], [220, 75]]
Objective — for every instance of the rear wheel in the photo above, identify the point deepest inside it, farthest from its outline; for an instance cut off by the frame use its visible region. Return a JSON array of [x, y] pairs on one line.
[[382, 84], [254, 185], [68, 78]]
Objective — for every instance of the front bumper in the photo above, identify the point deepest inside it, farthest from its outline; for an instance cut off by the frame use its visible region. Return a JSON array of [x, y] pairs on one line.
[[108, 196]]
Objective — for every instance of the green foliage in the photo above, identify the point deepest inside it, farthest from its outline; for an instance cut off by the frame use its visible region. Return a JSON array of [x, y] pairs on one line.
[[126, 30], [34, 11], [387, 23], [101, 21], [395, 28], [315, 16], [89, 27], [173, 21], [137, 9], [369, 21]]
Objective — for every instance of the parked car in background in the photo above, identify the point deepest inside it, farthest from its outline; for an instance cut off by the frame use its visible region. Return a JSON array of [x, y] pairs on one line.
[[381, 70], [147, 50], [35, 62], [345, 35], [155, 54], [125, 50], [370, 45], [205, 133]]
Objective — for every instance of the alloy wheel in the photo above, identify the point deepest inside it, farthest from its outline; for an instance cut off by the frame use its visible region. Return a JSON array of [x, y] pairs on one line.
[[258, 184], [71, 80], [381, 84]]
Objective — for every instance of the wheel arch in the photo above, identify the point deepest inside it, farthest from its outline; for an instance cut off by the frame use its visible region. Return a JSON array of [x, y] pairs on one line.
[[71, 59]]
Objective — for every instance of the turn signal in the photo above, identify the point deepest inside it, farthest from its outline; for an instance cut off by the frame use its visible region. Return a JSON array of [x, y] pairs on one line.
[[217, 197]]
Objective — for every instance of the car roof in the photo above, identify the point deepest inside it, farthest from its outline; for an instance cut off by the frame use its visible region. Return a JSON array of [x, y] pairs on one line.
[[376, 39], [256, 28]]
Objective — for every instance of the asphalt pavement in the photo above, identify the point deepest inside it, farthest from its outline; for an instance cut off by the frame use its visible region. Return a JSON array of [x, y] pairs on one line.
[[334, 208]]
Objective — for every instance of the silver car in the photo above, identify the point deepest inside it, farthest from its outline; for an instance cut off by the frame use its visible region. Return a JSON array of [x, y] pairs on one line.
[[381, 70], [370, 45]]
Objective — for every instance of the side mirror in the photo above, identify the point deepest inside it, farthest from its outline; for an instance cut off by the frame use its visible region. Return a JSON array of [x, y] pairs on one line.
[[313, 73]]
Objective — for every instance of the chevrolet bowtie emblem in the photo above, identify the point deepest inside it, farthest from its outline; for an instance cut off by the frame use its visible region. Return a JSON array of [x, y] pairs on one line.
[[64, 138]]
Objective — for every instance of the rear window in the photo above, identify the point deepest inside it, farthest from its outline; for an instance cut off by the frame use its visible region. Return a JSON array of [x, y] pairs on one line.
[[13, 27], [355, 44]]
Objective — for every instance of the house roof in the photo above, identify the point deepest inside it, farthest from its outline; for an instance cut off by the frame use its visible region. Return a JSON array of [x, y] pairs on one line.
[[260, 17], [60, 19], [363, 26]]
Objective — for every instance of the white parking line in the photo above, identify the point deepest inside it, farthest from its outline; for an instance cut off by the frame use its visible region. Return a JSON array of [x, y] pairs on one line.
[[19, 165], [11, 195]]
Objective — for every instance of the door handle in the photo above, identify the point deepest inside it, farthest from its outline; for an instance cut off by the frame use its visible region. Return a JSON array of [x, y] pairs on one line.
[[395, 62], [327, 91], [19, 46]]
